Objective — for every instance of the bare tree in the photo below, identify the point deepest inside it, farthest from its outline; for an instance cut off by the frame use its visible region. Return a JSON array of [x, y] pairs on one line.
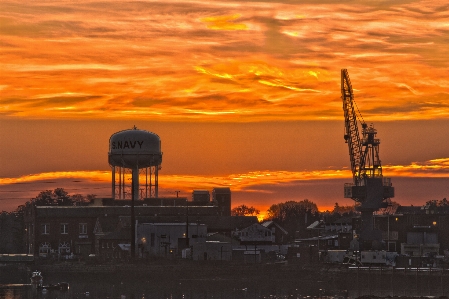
[[244, 210]]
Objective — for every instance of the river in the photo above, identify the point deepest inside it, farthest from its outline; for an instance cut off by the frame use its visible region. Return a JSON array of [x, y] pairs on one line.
[[294, 284]]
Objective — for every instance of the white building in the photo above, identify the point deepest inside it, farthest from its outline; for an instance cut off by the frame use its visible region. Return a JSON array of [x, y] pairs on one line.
[[255, 234], [212, 250]]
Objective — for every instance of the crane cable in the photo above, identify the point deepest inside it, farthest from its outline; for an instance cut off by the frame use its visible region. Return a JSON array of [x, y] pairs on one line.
[[359, 113]]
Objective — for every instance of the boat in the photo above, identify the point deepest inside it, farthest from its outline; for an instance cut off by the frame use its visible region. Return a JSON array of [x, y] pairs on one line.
[[37, 278]]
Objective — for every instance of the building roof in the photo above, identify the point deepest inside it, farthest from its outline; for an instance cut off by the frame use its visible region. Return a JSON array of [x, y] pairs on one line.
[[257, 226], [125, 247], [343, 220], [319, 224], [221, 190], [214, 223], [270, 223], [328, 237], [172, 224], [389, 210], [95, 211], [409, 210]]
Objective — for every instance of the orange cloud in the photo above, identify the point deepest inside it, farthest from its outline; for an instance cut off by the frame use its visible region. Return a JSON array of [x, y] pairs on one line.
[[133, 61], [247, 181], [258, 188], [224, 23]]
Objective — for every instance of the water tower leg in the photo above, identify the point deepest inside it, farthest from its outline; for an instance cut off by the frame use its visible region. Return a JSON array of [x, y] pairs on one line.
[[113, 182], [156, 182], [134, 197], [135, 182]]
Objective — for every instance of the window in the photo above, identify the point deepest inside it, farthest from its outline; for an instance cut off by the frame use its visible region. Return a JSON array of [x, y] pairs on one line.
[[44, 249], [45, 229], [64, 228], [64, 248], [83, 228]]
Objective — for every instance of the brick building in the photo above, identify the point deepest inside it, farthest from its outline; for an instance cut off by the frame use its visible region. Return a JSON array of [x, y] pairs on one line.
[[76, 230]]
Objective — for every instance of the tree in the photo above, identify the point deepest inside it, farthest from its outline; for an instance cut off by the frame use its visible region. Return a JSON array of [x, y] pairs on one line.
[[339, 212], [443, 203], [244, 210], [294, 216], [343, 209], [290, 209], [60, 197], [80, 200]]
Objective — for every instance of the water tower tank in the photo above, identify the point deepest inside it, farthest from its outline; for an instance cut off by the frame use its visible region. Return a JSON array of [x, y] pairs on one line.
[[138, 153], [135, 149]]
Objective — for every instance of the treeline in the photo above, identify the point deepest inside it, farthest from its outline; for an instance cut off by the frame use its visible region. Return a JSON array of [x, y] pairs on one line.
[[296, 216], [59, 197]]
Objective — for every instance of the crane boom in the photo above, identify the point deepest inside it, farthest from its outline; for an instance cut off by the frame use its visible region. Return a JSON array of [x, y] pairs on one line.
[[352, 137]]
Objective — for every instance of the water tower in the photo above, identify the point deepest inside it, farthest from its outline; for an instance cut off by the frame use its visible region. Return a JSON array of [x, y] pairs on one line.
[[135, 157], [133, 150]]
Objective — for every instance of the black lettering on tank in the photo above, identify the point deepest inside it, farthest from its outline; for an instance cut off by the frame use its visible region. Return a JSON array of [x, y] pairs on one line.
[[126, 145], [140, 143], [133, 144], [113, 144], [119, 145]]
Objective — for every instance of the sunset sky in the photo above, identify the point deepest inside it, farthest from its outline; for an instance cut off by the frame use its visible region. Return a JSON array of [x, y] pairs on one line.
[[244, 94]]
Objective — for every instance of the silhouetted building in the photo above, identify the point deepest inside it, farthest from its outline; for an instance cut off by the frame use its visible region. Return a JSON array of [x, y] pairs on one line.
[[222, 198], [201, 196], [65, 230], [255, 234], [279, 233]]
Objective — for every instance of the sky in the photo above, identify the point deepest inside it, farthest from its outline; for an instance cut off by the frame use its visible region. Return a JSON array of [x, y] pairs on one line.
[[243, 94]]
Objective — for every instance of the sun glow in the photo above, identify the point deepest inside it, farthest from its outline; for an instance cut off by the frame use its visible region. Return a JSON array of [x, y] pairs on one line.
[[251, 182]]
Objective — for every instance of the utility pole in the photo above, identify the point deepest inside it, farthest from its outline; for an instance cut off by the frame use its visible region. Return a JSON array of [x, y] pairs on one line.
[[134, 193], [187, 222]]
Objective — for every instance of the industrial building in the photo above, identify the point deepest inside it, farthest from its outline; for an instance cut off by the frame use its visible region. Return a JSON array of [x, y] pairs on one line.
[[59, 230]]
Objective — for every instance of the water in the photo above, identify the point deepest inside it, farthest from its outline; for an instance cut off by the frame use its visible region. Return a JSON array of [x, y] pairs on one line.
[[185, 289], [291, 285]]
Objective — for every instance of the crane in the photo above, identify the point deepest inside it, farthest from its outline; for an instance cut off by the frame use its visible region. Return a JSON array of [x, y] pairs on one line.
[[369, 188]]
